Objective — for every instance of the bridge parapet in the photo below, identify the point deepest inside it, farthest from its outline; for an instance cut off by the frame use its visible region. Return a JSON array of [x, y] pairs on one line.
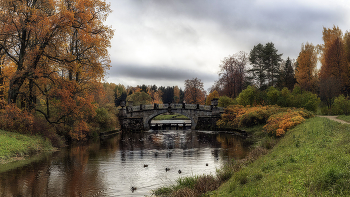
[[190, 106], [172, 106], [163, 106], [133, 108], [176, 106], [205, 107], [148, 107]]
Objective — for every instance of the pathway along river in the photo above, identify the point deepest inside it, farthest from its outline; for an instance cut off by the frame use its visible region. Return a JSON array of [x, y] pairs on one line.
[[113, 166]]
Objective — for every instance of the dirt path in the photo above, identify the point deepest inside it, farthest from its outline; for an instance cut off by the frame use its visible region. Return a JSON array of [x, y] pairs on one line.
[[335, 119]]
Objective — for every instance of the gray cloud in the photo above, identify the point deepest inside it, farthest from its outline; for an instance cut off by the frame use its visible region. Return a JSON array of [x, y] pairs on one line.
[[157, 73], [192, 37]]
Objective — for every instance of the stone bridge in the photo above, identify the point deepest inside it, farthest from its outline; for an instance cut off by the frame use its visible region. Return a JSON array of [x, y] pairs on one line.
[[138, 118]]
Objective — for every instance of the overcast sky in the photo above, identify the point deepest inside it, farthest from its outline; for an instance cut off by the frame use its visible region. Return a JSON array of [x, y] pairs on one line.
[[165, 42]]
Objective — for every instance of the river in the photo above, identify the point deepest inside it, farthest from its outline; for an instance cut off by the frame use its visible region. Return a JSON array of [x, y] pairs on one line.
[[112, 167]]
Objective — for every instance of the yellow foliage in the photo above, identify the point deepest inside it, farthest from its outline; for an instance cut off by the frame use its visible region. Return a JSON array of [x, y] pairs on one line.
[[278, 120]]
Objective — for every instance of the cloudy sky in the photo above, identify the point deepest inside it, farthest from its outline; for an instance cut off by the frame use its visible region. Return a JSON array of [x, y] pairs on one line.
[[165, 42]]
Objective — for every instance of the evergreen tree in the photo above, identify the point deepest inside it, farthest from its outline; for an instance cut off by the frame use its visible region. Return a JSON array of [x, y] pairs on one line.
[[258, 72], [287, 77], [168, 94], [265, 61], [271, 63]]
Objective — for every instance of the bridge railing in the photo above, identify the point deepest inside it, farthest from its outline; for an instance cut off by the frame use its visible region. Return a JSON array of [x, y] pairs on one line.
[[163, 106], [172, 106], [205, 107], [147, 107], [176, 106], [191, 106], [133, 108]]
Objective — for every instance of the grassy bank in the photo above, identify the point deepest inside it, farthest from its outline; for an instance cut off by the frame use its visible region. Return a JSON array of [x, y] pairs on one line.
[[344, 117], [313, 159], [15, 146], [198, 185]]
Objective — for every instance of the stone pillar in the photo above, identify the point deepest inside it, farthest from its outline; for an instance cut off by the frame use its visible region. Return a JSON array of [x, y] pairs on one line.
[[122, 115]]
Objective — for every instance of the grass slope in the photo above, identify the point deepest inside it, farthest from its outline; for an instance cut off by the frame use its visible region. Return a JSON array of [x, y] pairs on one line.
[[344, 117], [313, 159], [18, 145]]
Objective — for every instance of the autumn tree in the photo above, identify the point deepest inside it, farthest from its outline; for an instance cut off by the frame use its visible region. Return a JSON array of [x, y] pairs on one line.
[[305, 72], [139, 98], [334, 73], [176, 94], [155, 95], [232, 74], [211, 96], [194, 91], [59, 49]]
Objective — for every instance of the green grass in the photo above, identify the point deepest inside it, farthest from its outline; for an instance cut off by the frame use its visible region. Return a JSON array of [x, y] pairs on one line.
[[313, 159], [184, 182], [171, 117], [344, 117], [18, 145]]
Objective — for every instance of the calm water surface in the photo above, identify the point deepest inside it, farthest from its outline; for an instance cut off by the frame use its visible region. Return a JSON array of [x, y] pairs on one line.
[[111, 167]]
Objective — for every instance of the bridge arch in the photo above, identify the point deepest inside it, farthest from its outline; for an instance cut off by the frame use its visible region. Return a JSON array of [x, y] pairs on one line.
[[147, 120]]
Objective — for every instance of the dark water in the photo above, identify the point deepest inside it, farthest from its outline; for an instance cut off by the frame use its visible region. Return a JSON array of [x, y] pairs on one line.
[[112, 167]]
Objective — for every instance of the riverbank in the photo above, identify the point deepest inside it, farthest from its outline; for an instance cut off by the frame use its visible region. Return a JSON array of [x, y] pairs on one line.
[[14, 146], [310, 160]]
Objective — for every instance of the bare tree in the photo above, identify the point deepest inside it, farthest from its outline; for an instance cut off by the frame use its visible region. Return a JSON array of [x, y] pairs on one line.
[[232, 74]]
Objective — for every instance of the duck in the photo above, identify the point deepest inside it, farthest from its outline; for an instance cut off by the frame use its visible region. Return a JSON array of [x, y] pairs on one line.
[[145, 165], [167, 169], [206, 164], [179, 171], [133, 189]]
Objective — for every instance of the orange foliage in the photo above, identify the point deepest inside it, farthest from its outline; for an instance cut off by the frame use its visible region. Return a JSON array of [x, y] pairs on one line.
[[211, 96], [277, 119], [279, 123], [14, 119], [305, 73], [56, 54], [194, 91]]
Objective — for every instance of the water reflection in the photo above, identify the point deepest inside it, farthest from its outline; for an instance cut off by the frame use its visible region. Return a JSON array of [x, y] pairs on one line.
[[125, 165]]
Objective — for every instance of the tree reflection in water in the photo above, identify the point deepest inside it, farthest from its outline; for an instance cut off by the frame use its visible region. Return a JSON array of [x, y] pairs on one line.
[[113, 166]]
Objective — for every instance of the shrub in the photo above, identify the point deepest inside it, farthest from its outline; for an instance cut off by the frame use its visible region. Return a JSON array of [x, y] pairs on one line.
[[247, 96], [21, 121], [237, 116], [341, 105], [285, 99], [279, 123], [273, 95], [206, 183], [225, 101], [277, 119], [16, 120], [229, 118]]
